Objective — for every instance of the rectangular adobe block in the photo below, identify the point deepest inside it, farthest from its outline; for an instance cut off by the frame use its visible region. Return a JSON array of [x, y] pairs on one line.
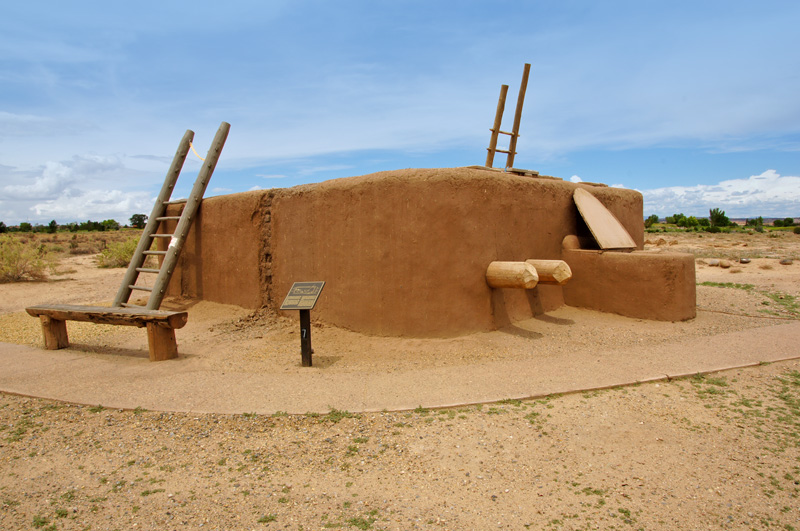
[[657, 286]]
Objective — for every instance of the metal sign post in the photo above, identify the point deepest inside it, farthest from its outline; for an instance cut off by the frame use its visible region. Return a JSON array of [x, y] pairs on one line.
[[303, 296]]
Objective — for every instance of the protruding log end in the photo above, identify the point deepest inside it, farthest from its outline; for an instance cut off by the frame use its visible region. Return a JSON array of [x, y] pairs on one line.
[[511, 275], [552, 271]]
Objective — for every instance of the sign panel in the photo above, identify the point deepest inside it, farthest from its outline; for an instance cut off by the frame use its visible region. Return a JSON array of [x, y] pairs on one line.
[[302, 296]]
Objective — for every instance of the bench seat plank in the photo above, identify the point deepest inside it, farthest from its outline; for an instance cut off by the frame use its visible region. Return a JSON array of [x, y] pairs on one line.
[[114, 316]]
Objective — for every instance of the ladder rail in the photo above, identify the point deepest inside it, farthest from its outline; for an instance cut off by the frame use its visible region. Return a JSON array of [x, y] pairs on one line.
[[514, 134], [512, 146], [187, 217], [145, 241], [498, 118]]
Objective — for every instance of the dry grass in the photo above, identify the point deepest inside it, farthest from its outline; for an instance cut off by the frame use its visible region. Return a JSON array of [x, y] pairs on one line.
[[62, 244]]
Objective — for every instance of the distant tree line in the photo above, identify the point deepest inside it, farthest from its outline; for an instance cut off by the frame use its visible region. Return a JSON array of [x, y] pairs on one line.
[[137, 221], [716, 221]]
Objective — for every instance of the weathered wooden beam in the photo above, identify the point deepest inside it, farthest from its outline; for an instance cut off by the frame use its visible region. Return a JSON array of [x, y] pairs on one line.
[[55, 333], [511, 275], [113, 316], [161, 342], [551, 271], [523, 86], [498, 118]]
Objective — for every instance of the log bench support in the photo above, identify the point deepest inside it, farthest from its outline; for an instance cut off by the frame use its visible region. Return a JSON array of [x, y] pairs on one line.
[[160, 325]]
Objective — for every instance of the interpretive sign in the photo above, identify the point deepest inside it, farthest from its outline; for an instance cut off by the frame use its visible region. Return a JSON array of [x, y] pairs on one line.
[[302, 296]]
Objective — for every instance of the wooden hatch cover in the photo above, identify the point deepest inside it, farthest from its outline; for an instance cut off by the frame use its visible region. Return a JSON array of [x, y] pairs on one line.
[[604, 226]]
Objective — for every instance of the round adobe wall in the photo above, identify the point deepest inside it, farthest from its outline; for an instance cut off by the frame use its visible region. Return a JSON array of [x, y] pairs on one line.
[[225, 255], [405, 252]]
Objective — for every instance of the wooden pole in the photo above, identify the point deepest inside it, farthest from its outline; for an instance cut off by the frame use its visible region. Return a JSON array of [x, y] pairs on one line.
[[137, 261], [512, 149], [511, 275], [552, 271], [189, 211], [498, 118]]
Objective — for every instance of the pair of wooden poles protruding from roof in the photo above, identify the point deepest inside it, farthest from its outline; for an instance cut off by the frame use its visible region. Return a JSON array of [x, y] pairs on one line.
[[498, 118]]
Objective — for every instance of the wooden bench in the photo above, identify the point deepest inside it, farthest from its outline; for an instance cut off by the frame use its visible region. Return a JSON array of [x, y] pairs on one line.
[[160, 325]]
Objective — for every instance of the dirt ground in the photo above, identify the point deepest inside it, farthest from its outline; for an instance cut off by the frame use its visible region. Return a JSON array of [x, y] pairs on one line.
[[714, 452]]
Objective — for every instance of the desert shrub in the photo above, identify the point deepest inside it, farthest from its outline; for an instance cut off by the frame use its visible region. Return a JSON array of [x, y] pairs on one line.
[[718, 218], [118, 254], [650, 221], [22, 262], [713, 229], [797, 230]]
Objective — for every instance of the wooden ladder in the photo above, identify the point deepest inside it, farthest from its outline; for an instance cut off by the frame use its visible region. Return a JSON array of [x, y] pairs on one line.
[[158, 215], [498, 118]]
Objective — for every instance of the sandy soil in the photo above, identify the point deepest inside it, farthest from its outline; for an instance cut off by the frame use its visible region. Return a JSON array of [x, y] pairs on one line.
[[719, 452]]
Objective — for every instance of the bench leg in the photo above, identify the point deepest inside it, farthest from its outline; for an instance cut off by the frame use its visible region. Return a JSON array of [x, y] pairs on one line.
[[161, 342], [55, 333]]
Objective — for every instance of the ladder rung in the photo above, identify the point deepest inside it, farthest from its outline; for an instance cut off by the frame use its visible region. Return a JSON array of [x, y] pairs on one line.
[[168, 218], [126, 305], [503, 132], [140, 288], [502, 151], [176, 202], [147, 270], [155, 252], [161, 235]]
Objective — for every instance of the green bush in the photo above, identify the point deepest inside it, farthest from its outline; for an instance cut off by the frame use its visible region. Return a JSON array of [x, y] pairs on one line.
[[22, 262], [797, 230], [118, 254]]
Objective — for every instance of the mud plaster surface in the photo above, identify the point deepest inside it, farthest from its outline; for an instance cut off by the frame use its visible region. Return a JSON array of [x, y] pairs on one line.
[[403, 253]]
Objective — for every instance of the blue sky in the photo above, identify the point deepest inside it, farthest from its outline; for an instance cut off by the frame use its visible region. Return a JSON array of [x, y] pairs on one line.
[[695, 104]]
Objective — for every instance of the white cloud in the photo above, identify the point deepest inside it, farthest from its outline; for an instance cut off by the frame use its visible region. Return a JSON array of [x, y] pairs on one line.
[[576, 179], [84, 187], [768, 194], [56, 178], [96, 205]]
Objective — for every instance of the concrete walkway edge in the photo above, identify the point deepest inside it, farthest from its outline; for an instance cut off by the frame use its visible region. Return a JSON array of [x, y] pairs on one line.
[[183, 385]]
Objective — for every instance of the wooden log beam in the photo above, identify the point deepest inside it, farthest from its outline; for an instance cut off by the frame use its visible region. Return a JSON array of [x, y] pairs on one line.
[[113, 316], [551, 271], [511, 275], [161, 342], [55, 333]]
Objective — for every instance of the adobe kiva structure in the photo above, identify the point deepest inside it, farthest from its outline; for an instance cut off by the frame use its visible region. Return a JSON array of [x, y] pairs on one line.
[[405, 253]]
